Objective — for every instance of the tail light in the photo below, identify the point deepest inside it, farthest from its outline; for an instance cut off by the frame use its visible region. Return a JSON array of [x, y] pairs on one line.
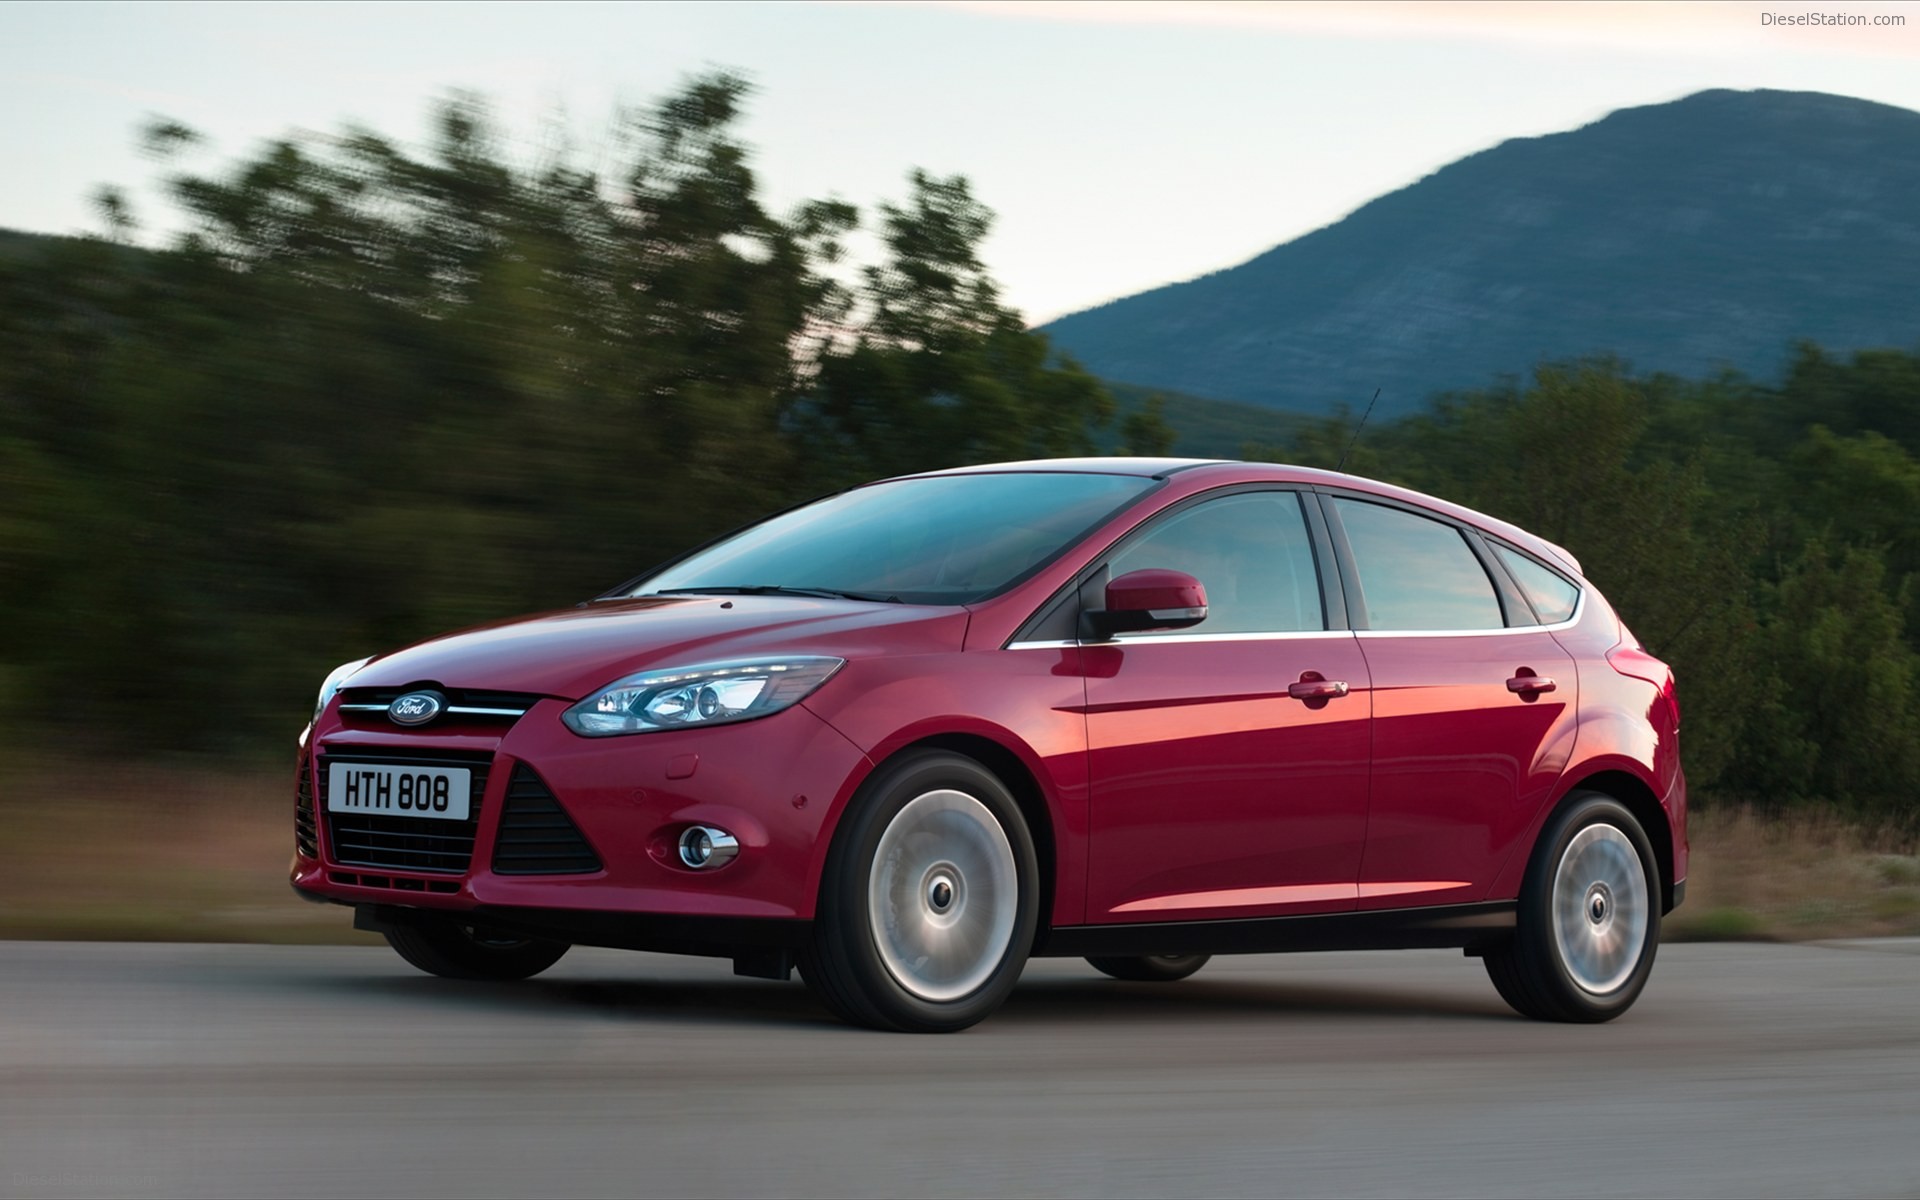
[[1633, 660]]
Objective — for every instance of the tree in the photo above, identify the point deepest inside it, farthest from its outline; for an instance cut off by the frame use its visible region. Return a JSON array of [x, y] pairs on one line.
[[938, 372], [1845, 725], [373, 393], [1145, 431]]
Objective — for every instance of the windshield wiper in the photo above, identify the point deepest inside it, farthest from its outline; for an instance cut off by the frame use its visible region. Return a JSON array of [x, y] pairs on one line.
[[777, 589]]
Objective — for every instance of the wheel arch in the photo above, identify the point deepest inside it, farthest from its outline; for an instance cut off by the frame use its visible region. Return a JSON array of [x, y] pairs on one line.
[[1638, 798], [1006, 764], [1008, 767], [1632, 792]]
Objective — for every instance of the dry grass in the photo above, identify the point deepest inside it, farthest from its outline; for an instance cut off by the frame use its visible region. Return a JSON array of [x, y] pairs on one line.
[[1796, 878], [153, 853], [170, 853]]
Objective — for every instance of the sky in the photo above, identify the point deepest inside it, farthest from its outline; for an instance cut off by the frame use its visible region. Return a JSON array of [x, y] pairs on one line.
[[1123, 145]]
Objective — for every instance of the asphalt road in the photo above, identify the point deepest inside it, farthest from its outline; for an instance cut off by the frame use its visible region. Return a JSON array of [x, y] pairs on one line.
[[337, 1071]]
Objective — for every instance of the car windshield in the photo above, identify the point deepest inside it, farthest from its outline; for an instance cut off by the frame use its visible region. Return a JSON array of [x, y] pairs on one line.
[[945, 539]]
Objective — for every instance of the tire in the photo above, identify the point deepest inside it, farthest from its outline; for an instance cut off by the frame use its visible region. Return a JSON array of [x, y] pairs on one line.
[[1155, 968], [929, 901], [443, 946], [1588, 922]]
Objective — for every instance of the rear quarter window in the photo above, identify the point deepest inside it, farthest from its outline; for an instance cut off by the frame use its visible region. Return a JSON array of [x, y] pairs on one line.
[[1552, 597]]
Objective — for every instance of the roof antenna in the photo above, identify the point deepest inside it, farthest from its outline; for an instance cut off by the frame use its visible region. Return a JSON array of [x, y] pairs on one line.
[[1358, 428]]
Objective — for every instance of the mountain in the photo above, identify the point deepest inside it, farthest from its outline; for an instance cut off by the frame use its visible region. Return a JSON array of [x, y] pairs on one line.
[[1709, 232]]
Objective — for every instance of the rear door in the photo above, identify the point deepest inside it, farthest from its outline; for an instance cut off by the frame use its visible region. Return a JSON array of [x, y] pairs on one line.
[[1472, 709], [1215, 792]]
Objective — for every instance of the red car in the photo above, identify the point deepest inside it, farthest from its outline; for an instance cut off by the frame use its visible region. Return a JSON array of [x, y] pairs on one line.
[[1138, 710]]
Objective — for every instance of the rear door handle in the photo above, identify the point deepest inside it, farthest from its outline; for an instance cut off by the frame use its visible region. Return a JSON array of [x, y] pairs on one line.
[[1313, 687], [1528, 684]]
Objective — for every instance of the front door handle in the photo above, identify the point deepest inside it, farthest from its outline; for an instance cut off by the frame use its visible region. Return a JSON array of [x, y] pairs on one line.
[[1526, 683], [1314, 686]]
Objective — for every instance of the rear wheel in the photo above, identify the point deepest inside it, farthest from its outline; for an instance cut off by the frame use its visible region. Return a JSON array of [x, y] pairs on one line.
[[1588, 921], [930, 899], [444, 946], [1152, 968]]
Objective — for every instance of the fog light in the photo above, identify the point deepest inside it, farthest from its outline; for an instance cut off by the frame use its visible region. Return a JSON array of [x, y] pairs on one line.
[[703, 847]]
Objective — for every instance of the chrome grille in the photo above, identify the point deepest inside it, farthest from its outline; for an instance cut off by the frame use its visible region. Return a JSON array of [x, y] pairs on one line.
[[471, 704]]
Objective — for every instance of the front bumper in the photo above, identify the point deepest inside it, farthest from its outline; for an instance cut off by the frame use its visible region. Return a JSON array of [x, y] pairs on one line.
[[775, 784]]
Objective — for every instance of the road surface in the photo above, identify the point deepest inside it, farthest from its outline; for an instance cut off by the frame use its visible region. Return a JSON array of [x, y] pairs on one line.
[[1745, 1070]]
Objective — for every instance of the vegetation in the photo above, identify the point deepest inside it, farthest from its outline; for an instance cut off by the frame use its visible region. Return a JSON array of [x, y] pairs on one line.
[[1203, 428], [370, 396], [1795, 877]]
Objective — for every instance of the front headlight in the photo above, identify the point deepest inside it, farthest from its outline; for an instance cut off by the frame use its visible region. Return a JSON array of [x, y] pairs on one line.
[[335, 678], [708, 694]]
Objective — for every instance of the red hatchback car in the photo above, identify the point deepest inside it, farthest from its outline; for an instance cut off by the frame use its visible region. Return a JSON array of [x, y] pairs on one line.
[[1138, 710]]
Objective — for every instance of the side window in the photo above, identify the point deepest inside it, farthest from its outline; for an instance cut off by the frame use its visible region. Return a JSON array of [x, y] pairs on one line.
[[1252, 552], [1552, 597], [1417, 573]]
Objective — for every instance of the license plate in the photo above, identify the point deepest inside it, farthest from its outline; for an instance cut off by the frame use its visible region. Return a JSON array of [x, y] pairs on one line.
[[440, 793]]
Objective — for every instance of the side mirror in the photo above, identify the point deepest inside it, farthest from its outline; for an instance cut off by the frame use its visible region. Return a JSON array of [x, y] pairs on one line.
[[1149, 599]]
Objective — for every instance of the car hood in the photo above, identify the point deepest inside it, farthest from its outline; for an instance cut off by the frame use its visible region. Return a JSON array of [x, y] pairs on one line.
[[574, 652]]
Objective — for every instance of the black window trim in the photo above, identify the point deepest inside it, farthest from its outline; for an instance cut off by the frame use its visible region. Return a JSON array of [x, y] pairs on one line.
[[1515, 608]]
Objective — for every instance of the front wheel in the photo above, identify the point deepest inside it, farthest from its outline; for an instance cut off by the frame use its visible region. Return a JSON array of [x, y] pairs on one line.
[[930, 899], [1588, 921], [445, 947]]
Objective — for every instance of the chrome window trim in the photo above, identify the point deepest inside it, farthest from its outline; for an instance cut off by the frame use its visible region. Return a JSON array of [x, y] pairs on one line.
[[454, 710], [1164, 639]]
